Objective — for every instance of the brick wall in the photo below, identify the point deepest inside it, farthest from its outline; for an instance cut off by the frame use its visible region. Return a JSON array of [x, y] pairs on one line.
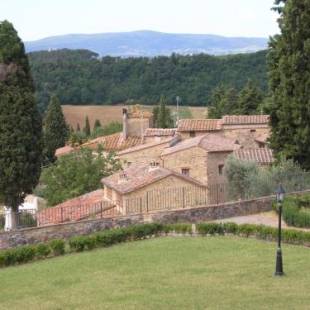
[[193, 215]]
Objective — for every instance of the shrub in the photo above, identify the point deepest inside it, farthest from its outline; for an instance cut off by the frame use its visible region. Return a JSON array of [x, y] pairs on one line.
[[24, 254], [211, 228], [181, 228], [294, 213], [247, 229], [81, 243], [230, 228], [57, 246], [42, 250]]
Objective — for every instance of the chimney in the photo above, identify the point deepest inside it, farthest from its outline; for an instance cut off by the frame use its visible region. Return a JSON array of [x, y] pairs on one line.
[[122, 177], [125, 124]]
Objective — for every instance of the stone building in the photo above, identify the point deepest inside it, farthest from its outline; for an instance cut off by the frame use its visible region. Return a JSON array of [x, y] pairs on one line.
[[190, 128], [248, 130], [262, 156], [146, 187], [158, 134], [202, 158], [144, 153]]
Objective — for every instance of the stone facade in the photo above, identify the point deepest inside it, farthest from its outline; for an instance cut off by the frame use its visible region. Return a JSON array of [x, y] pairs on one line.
[[194, 159], [188, 215], [143, 154], [246, 135], [128, 202]]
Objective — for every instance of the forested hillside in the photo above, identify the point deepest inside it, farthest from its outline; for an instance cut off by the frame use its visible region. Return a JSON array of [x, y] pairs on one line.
[[81, 77]]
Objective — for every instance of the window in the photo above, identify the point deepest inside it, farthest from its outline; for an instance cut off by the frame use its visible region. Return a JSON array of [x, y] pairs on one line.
[[221, 169], [253, 130], [192, 134], [185, 171]]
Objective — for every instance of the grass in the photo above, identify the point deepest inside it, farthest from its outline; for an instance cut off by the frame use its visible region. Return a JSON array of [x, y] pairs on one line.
[[163, 273]]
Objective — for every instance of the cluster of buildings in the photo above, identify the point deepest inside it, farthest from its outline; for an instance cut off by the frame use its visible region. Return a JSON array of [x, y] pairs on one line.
[[193, 155]]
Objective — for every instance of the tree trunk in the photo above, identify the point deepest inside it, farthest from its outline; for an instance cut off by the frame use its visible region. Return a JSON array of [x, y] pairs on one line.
[[11, 219]]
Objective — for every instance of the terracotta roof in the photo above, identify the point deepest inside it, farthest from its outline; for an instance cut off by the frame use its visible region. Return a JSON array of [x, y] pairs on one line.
[[199, 124], [144, 146], [209, 142], [138, 176], [74, 209], [64, 150], [245, 119], [262, 138], [159, 132], [114, 142], [262, 156]]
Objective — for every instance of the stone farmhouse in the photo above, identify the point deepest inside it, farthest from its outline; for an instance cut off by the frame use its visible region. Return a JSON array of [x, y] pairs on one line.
[[190, 157]]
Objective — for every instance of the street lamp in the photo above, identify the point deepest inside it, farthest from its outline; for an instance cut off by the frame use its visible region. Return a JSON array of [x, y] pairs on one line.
[[279, 263], [178, 102]]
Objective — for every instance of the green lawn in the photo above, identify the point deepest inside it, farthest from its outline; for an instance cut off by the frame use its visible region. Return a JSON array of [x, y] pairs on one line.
[[163, 273]]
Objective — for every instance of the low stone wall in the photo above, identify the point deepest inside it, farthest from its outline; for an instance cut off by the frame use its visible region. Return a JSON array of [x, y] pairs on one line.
[[189, 215]]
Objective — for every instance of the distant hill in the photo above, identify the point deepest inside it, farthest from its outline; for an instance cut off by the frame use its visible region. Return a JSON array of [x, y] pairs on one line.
[[150, 44], [81, 77]]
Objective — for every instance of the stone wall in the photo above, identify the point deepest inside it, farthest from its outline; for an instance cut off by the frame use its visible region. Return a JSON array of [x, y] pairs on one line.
[[190, 215]]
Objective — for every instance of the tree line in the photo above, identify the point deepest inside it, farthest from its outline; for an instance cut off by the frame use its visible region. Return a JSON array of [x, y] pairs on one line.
[[81, 77]]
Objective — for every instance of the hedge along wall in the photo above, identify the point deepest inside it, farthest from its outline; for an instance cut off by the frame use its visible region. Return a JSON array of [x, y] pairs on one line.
[[190, 215]]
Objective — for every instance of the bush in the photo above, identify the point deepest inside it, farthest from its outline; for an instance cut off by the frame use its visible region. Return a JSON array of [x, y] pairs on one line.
[[211, 228], [295, 213], [81, 243], [57, 246], [230, 228], [42, 250], [181, 228]]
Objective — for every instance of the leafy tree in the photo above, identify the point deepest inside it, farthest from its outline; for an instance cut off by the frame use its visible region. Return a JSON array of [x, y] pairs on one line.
[[77, 173], [250, 98], [20, 123], [86, 129], [289, 79], [81, 77], [162, 115], [55, 129], [97, 124]]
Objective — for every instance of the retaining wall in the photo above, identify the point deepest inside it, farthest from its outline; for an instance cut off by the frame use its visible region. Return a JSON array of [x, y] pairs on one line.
[[189, 215]]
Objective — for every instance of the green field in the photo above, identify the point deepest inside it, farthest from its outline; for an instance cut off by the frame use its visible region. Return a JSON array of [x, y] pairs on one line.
[[163, 273]]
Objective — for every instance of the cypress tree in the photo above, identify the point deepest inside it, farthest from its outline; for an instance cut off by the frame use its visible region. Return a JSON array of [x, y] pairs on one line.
[[289, 79], [78, 128], [86, 129], [250, 98], [55, 129], [97, 124], [20, 123]]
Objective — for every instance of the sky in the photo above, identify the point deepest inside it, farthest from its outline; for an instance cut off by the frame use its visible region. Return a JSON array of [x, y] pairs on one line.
[[35, 19]]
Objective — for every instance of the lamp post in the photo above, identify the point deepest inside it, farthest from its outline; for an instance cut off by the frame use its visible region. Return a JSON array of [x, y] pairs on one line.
[[279, 263], [178, 102]]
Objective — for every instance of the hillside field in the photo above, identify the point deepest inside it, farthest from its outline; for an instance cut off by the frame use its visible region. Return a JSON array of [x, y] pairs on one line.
[[164, 273], [75, 114]]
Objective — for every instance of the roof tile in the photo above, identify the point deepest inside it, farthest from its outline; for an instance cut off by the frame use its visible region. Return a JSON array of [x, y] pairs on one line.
[[245, 119], [262, 156], [199, 125]]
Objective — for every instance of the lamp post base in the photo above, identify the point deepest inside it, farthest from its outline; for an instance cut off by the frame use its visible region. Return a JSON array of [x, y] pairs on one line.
[[279, 263]]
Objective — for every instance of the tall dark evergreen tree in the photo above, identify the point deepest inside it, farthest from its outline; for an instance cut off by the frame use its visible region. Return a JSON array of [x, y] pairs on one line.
[[86, 129], [250, 98], [20, 123], [55, 129], [223, 102], [162, 115], [289, 78], [97, 124]]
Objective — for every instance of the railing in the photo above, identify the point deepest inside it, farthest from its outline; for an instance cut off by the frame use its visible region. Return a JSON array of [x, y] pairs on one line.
[[56, 215], [166, 199]]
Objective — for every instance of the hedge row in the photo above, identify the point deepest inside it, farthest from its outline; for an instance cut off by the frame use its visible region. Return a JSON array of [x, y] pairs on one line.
[[107, 238], [296, 211]]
